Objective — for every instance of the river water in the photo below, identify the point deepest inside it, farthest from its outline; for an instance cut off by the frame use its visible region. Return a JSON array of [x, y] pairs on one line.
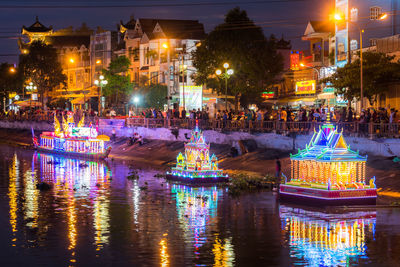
[[94, 215]]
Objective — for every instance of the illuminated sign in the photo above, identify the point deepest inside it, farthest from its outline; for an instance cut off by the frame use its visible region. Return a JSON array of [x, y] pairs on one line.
[[268, 95], [193, 97], [294, 60], [305, 87], [84, 132], [328, 90]]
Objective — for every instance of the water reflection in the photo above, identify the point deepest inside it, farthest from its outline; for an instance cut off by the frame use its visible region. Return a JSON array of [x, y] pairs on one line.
[[74, 179], [197, 209], [196, 206], [317, 238], [13, 196]]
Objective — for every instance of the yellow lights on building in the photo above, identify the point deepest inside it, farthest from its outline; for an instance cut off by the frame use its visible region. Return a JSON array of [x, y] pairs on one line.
[[71, 60], [12, 70], [165, 45], [98, 62]]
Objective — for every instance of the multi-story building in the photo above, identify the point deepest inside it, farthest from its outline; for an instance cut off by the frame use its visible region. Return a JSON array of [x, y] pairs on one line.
[[159, 51], [73, 48], [363, 16]]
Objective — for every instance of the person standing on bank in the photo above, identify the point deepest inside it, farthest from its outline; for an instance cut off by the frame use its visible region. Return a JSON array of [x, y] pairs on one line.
[[278, 171]]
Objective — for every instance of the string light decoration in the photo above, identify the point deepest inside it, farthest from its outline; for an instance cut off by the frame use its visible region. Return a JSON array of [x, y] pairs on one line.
[[76, 141], [329, 171], [196, 165]]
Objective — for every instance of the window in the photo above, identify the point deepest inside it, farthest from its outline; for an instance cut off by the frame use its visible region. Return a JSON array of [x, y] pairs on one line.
[[353, 44], [375, 12], [372, 42], [354, 14]]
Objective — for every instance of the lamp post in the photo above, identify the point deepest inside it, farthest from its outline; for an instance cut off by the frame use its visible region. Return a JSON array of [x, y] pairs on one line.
[[339, 18], [166, 46], [101, 82], [136, 101], [226, 75]]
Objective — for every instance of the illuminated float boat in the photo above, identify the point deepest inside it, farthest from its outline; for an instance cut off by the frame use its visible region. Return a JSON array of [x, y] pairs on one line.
[[196, 166], [74, 141], [328, 172]]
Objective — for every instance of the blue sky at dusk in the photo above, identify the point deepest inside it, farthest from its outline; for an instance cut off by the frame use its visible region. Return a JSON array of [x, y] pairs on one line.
[[280, 17]]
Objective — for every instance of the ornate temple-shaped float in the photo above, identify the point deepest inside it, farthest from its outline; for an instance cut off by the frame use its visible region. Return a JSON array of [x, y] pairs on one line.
[[328, 172], [73, 141], [196, 166]]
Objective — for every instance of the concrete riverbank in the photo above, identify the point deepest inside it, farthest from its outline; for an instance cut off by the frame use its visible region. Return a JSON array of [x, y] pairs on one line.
[[385, 147], [161, 154]]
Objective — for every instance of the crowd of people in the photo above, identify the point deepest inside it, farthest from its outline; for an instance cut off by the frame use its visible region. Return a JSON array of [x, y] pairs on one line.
[[283, 114]]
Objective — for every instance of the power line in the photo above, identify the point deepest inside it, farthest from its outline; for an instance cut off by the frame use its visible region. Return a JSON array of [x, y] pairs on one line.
[[30, 6]]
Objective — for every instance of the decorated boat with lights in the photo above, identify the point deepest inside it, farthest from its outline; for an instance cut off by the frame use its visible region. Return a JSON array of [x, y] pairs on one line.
[[328, 172], [196, 165], [71, 140]]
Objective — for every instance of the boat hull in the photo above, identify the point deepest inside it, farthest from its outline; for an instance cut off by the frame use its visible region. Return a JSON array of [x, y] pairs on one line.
[[99, 156], [218, 179], [320, 197]]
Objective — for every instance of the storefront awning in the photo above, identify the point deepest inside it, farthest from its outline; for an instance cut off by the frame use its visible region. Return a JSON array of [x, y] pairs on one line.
[[28, 103], [326, 96], [296, 101]]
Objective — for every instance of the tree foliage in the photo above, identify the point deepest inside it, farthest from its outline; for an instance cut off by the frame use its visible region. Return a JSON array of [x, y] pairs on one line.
[[379, 71], [155, 95], [9, 81], [251, 55], [119, 86], [42, 67]]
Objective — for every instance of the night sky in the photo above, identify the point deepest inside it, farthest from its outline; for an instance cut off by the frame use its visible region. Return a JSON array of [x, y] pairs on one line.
[[287, 17]]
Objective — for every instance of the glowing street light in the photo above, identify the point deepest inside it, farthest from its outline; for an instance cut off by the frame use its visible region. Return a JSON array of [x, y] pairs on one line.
[[12, 70], [226, 75], [98, 61], [71, 60], [338, 18], [136, 101], [101, 83]]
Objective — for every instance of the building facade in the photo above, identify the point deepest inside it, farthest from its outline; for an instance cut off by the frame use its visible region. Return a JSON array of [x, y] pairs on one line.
[[159, 51]]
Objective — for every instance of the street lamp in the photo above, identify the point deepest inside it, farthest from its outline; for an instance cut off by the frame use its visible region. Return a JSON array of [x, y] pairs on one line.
[[315, 69], [12, 70], [339, 18], [166, 46], [101, 83], [136, 101], [226, 75]]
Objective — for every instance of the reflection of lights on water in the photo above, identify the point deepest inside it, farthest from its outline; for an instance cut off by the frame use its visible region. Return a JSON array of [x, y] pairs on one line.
[[332, 240], [224, 254], [31, 204], [196, 206], [101, 220], [136, 197], [12, 194], [164, 256], [75, 178]]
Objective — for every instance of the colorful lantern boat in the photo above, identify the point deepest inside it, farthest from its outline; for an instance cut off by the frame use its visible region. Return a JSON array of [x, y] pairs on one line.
[[328, 172], [196, 166], [77, 141]]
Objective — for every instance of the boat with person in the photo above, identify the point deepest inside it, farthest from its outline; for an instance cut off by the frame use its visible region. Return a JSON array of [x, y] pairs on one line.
[[70, 140]]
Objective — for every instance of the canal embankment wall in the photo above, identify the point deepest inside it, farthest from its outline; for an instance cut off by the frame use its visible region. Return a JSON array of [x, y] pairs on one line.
[[385, 147]]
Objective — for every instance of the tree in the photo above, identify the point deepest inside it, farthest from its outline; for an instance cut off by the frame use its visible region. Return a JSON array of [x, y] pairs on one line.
[[155, 95], [119, 86], [42, 67], [10, 79], [379, 71], [251, 55]]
